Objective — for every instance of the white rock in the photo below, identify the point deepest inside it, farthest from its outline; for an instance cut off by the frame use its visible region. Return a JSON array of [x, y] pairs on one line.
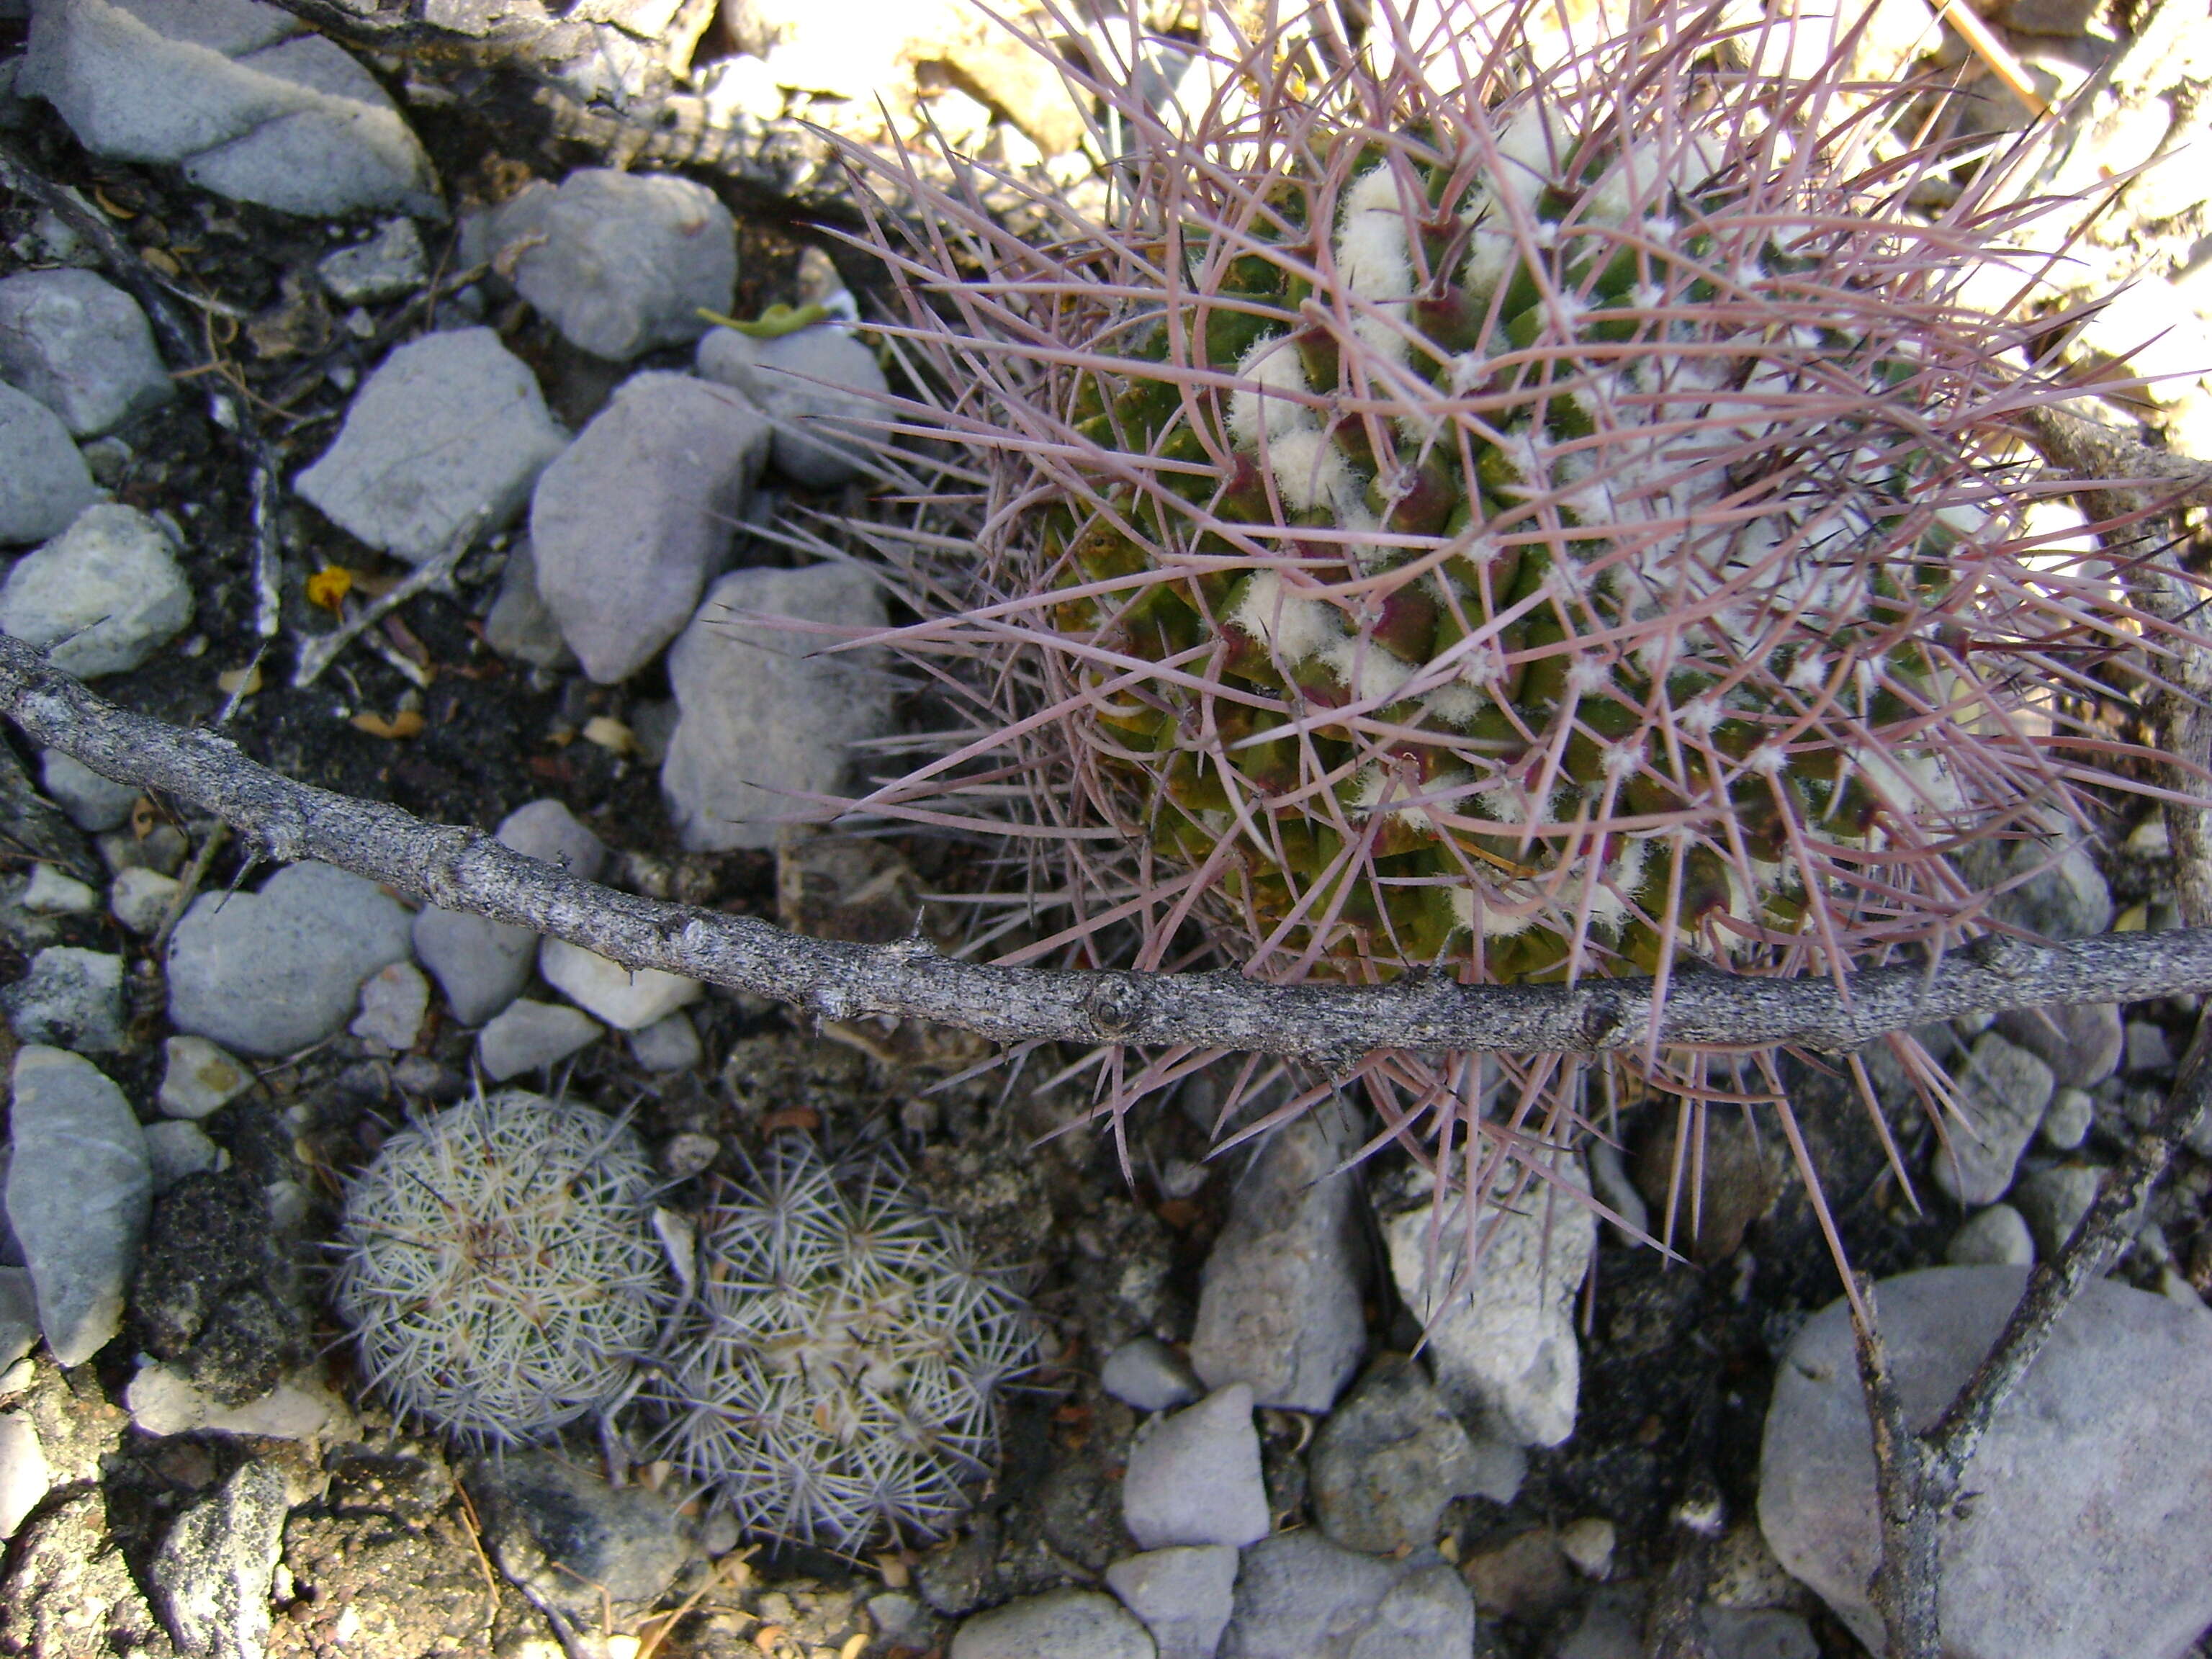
[[250, 106], [51, 893], [44, 482], [1502, 1342], [823, 390], [24, 1473], [450, 430], [79, 1188], [632, 520], [669, 1044], [1589, 1543], [72, 999], [2002, 1090], [525, 1035], [140, 899], [1193, 1478], [620, 262], [393, 1000], [94, 803], [101, 596], [2076, 1542], [176, 1148], [1066, 1624], [273, 972], [1183, 1596], [1995, 1236], [768, 716], [1145, 1372], [82, 347], [628, 998], [163, 1401], [388, 264], [199, 1080]]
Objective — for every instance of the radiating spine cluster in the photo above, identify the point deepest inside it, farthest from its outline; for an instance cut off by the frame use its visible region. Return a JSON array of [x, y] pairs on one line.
[[835, 1375], [498, 1270]]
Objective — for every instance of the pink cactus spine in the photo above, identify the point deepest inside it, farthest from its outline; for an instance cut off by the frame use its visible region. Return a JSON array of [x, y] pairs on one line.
[[1438, 520]]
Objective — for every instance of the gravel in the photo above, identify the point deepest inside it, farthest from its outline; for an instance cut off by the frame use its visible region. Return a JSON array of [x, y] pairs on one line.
[[571, 1539], [175, 1148], [1193, 1478], [199, 1080], [1148, 1375], [24, 1473], [527, 1037], [82, 347], [387, 265], [1067, 1624], [94, 803], [1392, 1454], [822, 388], [628, 998], [71, 998], [2002, 1091], [1300, 1596], [78, 1191], [1182, 1595], [1996, 1236], [101, 596], [393, 1001], [44, 482], [271, 972], [2073, 1543], [212, 1577], [451, 432]]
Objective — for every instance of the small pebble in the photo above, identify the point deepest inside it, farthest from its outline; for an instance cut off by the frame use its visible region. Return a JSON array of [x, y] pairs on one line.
[[176, 1147], [393, 1000], [1184, 1596], [482, 965], [198, 1079], [50, 893], [2002, 1090], [94, 803], [1995, 1236], [19, 1312], [527, 1036], [894, 1614], [1066, 1624], [25, 1475], [670, 1043], [2148, 1048], [163, 1401], [1194, 1477], [212, 1577], [141, 899], [686, 1154], [2067, 1122], [2051, 1202], [822, 387], [82, 347], [102, 597], [387, 265], [1588, 1544], [44, 482], [628, 998], [72, 999], [1145, 1372], [1392, 1454], [1299, 1596], [161, 848], [520, 623]]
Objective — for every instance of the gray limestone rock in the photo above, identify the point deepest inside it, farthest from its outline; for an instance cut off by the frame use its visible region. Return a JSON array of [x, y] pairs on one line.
[[519, 624], [628, 998], [72, 999], [197, 1078], [769, 717], [269, 973], [212, 1577], [2002, 1090], [2052, 1201], [822, 389], [1996, 1236], [19, 1302], [1193, 1478], [1145, 1372], [2081, 1042], [250, 106], [526, 1036], [101, 596], [393, 1000], [2091, 1528], [1183, 1596], [175, 1148], [567, 1536], [1501, 1339], [670, 1043], [639, 513], [1392, 1455], [79, 1190], [450, 431], [481, 965], [620, 262], [1300, 1596], [385, 266], [44, 482], [82, 347], [94, 803], [1066, 1624], [1279, 1306]]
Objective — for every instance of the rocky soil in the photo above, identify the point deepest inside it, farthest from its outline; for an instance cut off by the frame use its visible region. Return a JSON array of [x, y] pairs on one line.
[[459, 356]]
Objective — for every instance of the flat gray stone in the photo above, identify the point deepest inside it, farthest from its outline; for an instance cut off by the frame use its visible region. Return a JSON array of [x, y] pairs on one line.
[[1501, 1339], [1145, 1372], [387, 265], [44, 482], [620, 262], [1193, 1478], [79, 1191], [273, 972], [250, 108], [175, 1148], [197, 1078], [1183, 1596], [450, 430], [628, 527], [1067, 1624], [767, 716], [628, 998], [2051, 1202], [520, 623], [1299, 1596], [2002, 1090], [1389, 1458], [823, 390], [82, 347], [1996, 1236], [2081, 1042], [2091, 1528], [525, 1035], [212, 1577], [564, 1533], [1280, 1305], [72, 999], [48, 892], [670, 1043], [482, 965], [101, 596], [94, 803]]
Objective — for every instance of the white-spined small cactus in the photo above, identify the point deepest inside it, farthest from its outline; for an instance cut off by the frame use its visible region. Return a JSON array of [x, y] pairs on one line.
[[498, 1268], [834, 1378]]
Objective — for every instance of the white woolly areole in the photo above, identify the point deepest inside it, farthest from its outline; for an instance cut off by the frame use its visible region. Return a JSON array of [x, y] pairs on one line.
[[1311, 471], [1295, 627], [1272, 365], [1374, 258], [1371, 674]]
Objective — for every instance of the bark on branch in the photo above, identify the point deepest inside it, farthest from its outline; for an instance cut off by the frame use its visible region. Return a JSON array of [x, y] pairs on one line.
[[1333, 1026]]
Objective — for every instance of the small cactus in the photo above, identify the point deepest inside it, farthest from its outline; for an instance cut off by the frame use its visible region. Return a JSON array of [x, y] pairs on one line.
[[498, 1269], [835, 1377], [1530, 529]]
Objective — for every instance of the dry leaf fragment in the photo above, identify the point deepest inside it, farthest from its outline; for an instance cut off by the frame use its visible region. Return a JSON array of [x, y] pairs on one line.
[[407, 723], [328, 587], [610, 734], [240, 681]]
